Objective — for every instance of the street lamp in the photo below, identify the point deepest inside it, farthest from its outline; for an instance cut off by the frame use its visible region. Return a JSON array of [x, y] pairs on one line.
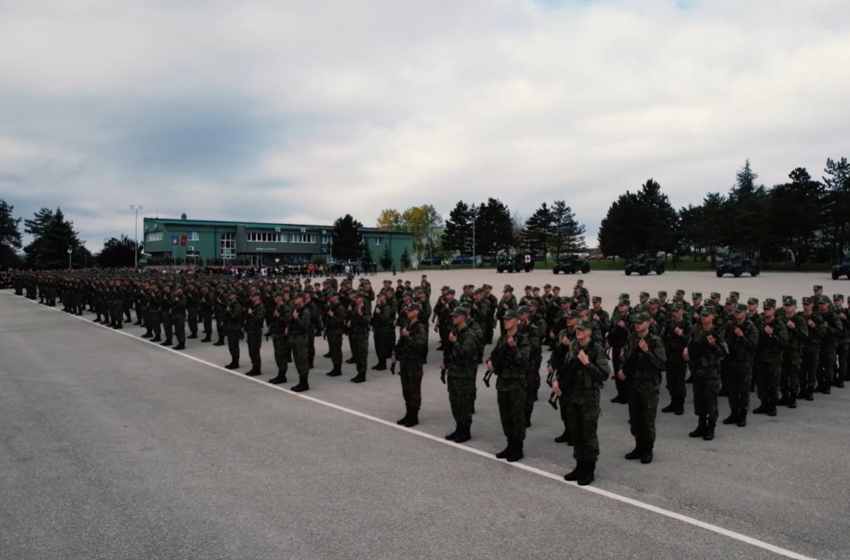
[[136, 235], [69, 258]]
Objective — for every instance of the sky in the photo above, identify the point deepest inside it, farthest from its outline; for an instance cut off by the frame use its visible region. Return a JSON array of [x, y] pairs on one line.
[[305, 110]]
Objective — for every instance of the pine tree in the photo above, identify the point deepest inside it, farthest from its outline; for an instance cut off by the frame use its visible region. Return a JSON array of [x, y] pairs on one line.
[[10, 235], [347, 239], [386, 258]]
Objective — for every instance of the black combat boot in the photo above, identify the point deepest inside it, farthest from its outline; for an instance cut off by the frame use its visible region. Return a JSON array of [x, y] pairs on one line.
[[336, 371], [147, 335], [527, 418], [157, 338], [709, 431], [281, 377], [635, 453], [724, 392], [587, 473], [516, 455], [452, 436], [506, 451], [167, 342], [310, 365], [180, 346], [646, 457], [463, 435], [742, 418], [232, 365], [302, 385], [563, 438], [732, 419], [762, 408], [575, 474], [328, 355], [220, 342], [670, 407], [136, 324], [97, 320], [380, 366], [700, 431], [193, 336], [412, 418], [810, 393], [254, 372], [207, 338], [350, 360], [792, 400], [771, 407], [784, 400], [404, 420], [359, 378]]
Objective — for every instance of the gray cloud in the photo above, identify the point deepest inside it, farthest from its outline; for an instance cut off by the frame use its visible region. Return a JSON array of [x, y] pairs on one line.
[[306, 110]]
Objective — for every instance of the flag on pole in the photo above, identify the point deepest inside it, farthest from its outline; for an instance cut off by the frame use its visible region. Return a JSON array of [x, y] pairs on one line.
[[182, 240], [174, 241]]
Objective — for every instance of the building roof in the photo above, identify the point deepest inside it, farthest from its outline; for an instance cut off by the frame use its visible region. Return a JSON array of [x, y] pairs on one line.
[[220, 223]]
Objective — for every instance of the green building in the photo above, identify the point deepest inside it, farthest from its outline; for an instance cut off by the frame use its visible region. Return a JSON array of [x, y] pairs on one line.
[[261, 244]]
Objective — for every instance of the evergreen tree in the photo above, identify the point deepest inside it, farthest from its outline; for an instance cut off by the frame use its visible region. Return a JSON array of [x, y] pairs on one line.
[[386, 258], [538, 232], [365, 255], [118, 253], [10, 235], [566, 234], [405, 258], [794, 214], [836, 207], [493, 232], [457, 235], [52, 235], [347, 239]]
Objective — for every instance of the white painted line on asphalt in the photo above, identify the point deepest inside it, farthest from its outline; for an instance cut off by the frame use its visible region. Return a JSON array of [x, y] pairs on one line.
[[592, 489]]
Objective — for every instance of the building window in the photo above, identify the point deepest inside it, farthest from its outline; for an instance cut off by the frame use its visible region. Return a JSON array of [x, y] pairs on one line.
[[228, 246], [294, 238], [153, 236], [326, 239], [193, 236], [378, 240], [308, 238]]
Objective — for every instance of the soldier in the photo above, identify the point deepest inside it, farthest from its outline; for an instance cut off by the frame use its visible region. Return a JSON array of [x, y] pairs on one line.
[[234, 323], [192, 305], [155, 313], [643, 360], [756, 319], [704, 353], [507, 303], [832, 333], [509, 361], [600, 317], [310, 304], [843, 341], [529, 330], [772, 340], [178, 317], [618, 337], [166, 303], [798, 335], [334, 330], [278, 334], [118, 295], [205, 309], [742, 339], [219, 312], [675, 335], [558, 358], [490, 325], [426, 285], [696, 308], [357, 322], [408, 353], [460, 363], [580, 379], [383, 331], [811, 350], [663, 304], [254, 332], [300, 333]]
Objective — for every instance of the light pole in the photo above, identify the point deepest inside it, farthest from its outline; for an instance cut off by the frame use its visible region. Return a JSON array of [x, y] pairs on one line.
[[69, 258], [136, 235], [473, 243]]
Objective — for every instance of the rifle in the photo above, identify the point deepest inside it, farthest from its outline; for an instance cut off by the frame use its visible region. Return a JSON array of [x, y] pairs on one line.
[[553, 400], [392, 366], [550, 377], [443, 373]]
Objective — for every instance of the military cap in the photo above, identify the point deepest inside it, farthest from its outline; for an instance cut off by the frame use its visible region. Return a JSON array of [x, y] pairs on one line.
[[298, 295], [644, 294], [458, 312], [680, 293], [333, 294], [579, 282], [741, 308], [549, 286], [696, 295], [390, 281], [415, 307], [662, 293], [641, 308], [510, 314], [528, 288], [581, 307], [562, 300], [556, 288], [533, 303], [790, 301], [572, 314], [807, 301], [785, 298], [465, 305], [753, 301], [837, 297], [381, 294], [584, 325], [641, 317], [769, 303], [715, 295], [367, 281], [731, 301], [467, 286], [487, 287], [818, 288], [823, 299], [358, 295], [624, 302], [596, 299], [676, 307], [523, 309], [254, 293], [406, 281], [278, 294], [535, 289], [424, 276], [409, 294], [707, 311], [655, 301], [451, 291], [508, 288], [444, 289], [624, 296], [735, 295]]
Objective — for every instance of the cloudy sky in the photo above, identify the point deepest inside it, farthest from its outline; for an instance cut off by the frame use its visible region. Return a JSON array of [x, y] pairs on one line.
[[303, 110]]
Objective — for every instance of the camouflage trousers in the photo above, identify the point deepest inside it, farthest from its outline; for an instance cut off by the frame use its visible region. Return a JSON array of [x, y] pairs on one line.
[[206, 317], [643, 406], [512, 413], [281, 357], [233, 345], [193, 321], [115, 314], [179, 325], [768, 375], [739, 375], [311, 349], [789, 379], [300, 350], [842, 362], [167, 326], [410, 372], [622, 386], [582, 420], [127, 308], [360, 351], [461, 398], [532, 386], [675, 376], [335, 347], [826, 365], [155, 321], [219, 327], [384, 343], [706, 390], [809, 368], [140, 313], [255, 341]]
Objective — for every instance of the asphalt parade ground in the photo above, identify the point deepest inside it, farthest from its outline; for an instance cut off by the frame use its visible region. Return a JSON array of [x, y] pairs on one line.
[[114, 447]]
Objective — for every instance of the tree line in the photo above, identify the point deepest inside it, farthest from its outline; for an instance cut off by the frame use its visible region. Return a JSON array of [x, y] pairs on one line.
[[807, 217]]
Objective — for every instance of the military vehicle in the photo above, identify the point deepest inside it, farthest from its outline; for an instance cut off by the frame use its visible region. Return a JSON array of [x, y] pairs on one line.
[[514, 263], [571, 264], [841, 269], [644, 264], [737, 265]]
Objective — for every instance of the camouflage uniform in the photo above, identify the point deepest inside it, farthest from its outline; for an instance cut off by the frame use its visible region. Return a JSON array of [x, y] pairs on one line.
[[409, 353], [643, 373], [674, 345], [510, 364], [798, 335], [461, 363], [769, 356], [738, 367], [704, 361]]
